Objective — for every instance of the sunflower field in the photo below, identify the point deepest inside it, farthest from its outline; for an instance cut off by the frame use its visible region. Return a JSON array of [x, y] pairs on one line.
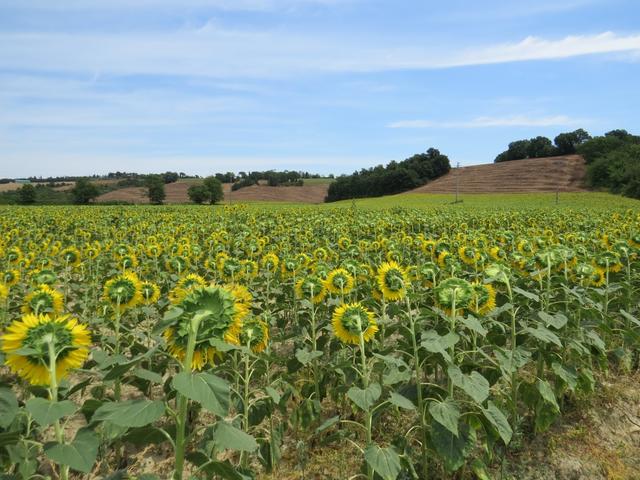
[[218, 343]]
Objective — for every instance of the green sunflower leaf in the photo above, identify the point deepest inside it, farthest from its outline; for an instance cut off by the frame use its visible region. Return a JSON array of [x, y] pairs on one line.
[[80, 454], [229, 437], [131, 413], [499, 421], [384, 461], [365, 399], [446, 414], [8, 407], [45, 412], [208, 390]]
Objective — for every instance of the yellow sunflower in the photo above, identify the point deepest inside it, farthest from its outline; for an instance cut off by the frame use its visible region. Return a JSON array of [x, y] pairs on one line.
[[4, 291], [221, 316], [123, 291], [254, 334], [10, 277], [270, 262], [43, 299], [392, 281], [184, 285], [483, 299], [339, 281], [71, 256], [26, 346], [350, 320], [311, 288], [150, 292]]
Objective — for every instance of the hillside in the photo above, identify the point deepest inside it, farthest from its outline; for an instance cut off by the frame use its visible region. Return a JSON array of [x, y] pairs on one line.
[[177, 193], [564, 174]]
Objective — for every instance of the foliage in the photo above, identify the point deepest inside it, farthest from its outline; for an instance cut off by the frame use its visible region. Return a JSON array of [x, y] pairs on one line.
[[155, 189], [27, 194], [198, 194], [538, 147], [84, 191], [393, 178], [431, 340], [213, 187], [613, 162]]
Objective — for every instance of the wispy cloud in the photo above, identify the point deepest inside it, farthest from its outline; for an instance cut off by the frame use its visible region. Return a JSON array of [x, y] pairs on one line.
[[488, 122], [217, 52]]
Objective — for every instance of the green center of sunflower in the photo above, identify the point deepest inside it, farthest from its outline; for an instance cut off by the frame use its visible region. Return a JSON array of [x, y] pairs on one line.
[[147, 291], [122, 290], [252, 333], [41, 302]]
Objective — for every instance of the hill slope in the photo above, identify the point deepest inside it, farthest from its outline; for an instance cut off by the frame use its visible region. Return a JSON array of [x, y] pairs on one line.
[[177, 193], [564, 174]]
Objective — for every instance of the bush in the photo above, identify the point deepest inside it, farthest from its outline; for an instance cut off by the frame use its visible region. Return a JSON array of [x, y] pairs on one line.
[[198, 194], [27, 194], [155, 189], [84, 191]]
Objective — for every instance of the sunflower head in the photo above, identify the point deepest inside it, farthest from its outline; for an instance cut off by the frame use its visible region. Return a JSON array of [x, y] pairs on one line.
[[4, 291], [351, 320], [27, 342], [453, 291], [10, 277], [46, 276], [483, 299], [311, 288], [270, 262], [339, 281], [392, 281], [123, 292], [150, 292], [254, 334], [220, 315], [43, 299], [184, 285], [71, 256], [469, 255]]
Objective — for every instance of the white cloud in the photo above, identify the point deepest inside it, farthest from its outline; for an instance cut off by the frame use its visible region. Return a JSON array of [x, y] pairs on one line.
[[212, 51], [242, 5], [488, 122]]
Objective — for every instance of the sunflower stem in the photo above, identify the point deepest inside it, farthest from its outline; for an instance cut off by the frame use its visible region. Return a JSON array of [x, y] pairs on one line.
[[116, 386], [365, 384], [418, 374], [182, 401], [53, 395]]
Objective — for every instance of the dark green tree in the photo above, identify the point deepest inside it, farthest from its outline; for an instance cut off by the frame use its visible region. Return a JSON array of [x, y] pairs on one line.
[[155, 189], [213, 187], [567, 143], [84, 191], [27, 194], [198, 194]]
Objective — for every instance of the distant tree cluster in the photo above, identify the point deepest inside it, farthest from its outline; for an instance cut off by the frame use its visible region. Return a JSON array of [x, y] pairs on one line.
[[274, 178], [395, 177], [613, 162], [210, 191], [538, 147]]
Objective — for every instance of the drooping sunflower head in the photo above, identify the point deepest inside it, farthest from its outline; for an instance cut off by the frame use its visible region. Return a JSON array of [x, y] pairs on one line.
[[176, 264], [184, 285], [150, 292], [127, 261], [123, 292], [339, 281], [598, 277], [270, 262], [311, 288], [483, 299], [14, 256], [392, 281], [249, 268], [26, 346], [254, 334], [608, 260], [220, 317], [497, 253], [469, 255], [71, 256], [43, 299], [241, 293], [453, 292], [320, 254], [351, 320], [10, 277], [153, 250]]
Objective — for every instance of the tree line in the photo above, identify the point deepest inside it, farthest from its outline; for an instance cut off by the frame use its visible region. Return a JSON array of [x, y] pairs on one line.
[[538, 147], [395, 177]]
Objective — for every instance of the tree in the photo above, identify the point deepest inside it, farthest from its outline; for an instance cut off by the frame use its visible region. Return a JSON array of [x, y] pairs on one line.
[[84, 191], [567, 143], [155, 189], [170, 177], [27, 194], [213, 187], [198, 194], [540, 147]]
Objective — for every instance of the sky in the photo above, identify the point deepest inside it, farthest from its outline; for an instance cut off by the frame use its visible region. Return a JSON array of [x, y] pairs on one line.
[[326, 86]]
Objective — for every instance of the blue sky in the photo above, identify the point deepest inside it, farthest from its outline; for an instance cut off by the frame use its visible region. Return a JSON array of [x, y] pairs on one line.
[[328, 86]]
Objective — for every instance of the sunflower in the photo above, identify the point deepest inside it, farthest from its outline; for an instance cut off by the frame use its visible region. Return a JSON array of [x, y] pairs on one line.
[[241, 293], [249, 268], [497, 253], [270, 262], [444, 258], [453, 291], [10, 277], [320, 254], [608, 259], [14, 256], [153, 250], [311, 288], [184, 285], [469, 255], [39, 277], [71, 256], [598, 277], [176, 264], [483, 299], [221, 316], [150, 292], [392, 281], [4, 291], [351, 320], [26, 346], [123, 291], [339, 281], [43, 299], [254, 334]]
